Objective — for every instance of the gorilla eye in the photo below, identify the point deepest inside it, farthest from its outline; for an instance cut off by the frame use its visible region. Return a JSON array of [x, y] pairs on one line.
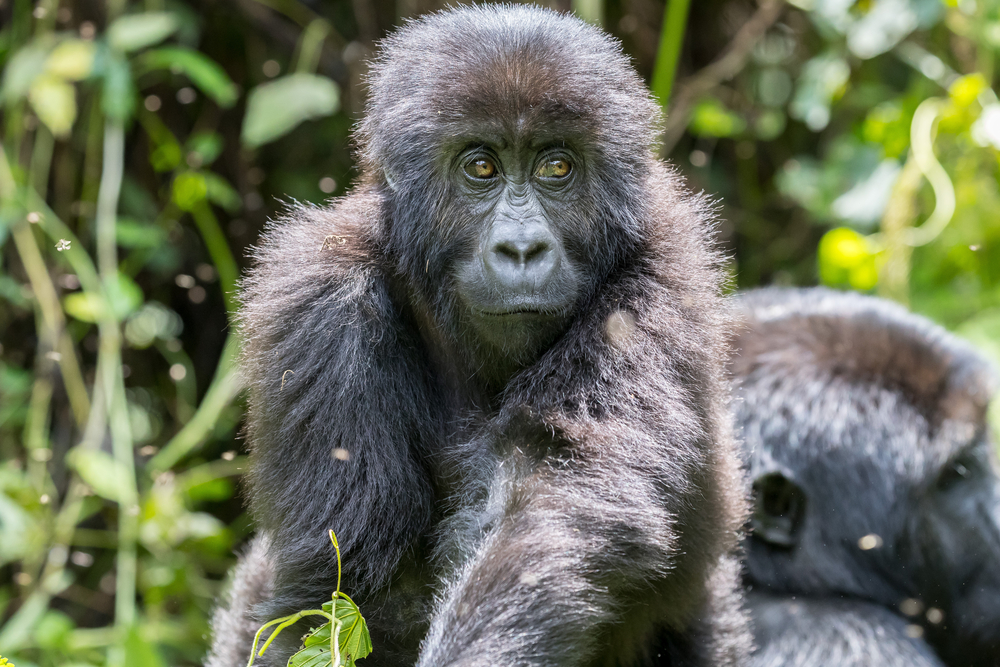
[[481, 168], [554, 168]]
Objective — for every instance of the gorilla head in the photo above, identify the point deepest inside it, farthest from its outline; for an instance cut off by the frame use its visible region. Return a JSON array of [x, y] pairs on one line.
[[513, 188], [875, 476]]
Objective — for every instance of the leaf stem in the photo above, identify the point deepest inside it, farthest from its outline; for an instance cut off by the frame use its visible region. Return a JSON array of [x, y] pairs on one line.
[[669, 52]]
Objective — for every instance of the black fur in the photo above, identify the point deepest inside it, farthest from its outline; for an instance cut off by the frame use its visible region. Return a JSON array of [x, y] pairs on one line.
[[831, 632], [877, 417], [570, 499]]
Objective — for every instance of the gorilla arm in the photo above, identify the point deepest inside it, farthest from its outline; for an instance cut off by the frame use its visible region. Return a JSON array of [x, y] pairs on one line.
[[595, 442]]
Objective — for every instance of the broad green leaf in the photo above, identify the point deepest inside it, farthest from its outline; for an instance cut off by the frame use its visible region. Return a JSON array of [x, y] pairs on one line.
[[106, 476], [270, 113], [203, 72], [124, 295], [711, 119], [189, 189], [54, 100], [118, 100], [139, 652], [137, 31], [206, 145], [354, 640], [84, 306], [134, 234], [21, 71], [53, 630], [72, 60], [220, 192]]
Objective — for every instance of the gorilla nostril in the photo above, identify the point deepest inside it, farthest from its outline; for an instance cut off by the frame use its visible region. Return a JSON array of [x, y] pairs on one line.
[[536, 251], [522, 252], [508, 251]]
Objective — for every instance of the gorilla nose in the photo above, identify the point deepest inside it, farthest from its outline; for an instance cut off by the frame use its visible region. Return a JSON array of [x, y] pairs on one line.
[[523, 256]]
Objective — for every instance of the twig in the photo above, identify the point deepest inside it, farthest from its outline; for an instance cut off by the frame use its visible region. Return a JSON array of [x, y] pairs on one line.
[[724, 68]]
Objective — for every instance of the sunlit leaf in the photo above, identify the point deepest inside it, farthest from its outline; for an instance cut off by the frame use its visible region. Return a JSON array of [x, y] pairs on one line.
[[203, 72], [137, 31], [270, 115], [21, 70], [354, 640], [54, 100], [189, 189], [106, 476], [84, 306], [139, 652], [53, 630], [846, 258], [72, 59], [711, 119]]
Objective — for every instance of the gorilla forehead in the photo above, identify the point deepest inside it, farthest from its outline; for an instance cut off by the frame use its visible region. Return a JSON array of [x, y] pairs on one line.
[[508, 70]]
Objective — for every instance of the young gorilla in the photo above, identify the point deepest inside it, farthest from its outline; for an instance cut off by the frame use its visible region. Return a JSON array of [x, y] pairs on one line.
[[877, 509], [495, 370]]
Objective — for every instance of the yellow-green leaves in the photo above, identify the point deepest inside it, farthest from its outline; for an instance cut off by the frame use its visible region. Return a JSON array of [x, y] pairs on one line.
[[123, 296], [847, 258], [106, 476], [270, 114], [45, 75], [54, 100], [71, 60]]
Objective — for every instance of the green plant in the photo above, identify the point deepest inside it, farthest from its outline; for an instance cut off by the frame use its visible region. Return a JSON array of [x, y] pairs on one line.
[[343, 636]]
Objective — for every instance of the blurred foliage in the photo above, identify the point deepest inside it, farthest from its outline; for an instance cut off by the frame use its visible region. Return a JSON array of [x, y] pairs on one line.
[[144, 144]]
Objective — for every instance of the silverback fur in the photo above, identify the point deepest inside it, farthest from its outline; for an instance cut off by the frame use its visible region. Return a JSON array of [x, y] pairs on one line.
[[579, 507]]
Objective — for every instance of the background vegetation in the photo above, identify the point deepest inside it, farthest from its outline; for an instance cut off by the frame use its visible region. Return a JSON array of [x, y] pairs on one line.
[[144, 144]]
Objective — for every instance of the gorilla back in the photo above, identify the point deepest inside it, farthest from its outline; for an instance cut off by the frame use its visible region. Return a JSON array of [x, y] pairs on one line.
[[495, 369]]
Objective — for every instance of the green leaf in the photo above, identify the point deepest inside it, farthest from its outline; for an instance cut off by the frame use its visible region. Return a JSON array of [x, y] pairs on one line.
[[84, 306], [220, 192], [106, 476], [21, 71], [189, 189], [118, 100], [354, 639], [206, 145], [54, 100], [134, 234], [137, 31], [203, 72], [124, 295], [270, 115], [139, 652], [711, 119], [72, 60]]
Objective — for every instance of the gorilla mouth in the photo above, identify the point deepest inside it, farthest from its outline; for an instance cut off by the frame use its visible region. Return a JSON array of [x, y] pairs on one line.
[[514, 311]]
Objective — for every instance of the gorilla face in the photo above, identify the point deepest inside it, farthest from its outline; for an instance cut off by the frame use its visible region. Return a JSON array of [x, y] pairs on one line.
[[959, 530], [516, 281]]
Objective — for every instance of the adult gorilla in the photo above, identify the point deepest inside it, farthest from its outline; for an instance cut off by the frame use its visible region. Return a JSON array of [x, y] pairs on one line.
[[877, 509], [495, 370]]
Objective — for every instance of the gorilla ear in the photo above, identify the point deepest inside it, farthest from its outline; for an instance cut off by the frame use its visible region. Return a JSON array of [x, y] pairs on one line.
[[779, 508]]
